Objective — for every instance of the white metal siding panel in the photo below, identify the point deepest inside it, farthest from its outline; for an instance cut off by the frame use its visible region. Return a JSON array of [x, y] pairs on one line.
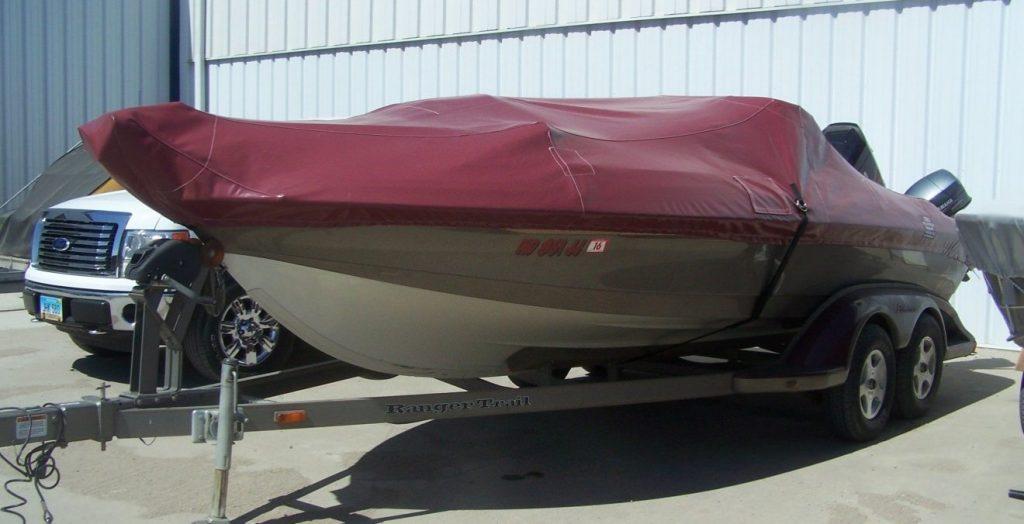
[[298, 25], [63, 62], [34, 82], [14, 69], [932, 84]]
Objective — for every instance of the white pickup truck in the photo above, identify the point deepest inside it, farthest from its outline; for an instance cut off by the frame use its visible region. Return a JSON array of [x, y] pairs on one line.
[[80, 250]]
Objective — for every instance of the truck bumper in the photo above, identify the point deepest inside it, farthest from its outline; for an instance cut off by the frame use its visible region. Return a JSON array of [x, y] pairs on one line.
[[86, 310]]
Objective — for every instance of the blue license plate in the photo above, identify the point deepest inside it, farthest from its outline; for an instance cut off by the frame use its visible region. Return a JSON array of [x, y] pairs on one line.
[[51, 308]]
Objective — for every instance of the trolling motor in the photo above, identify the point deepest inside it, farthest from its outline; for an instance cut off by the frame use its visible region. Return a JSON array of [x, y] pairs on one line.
[[173, 262], [164, 267]]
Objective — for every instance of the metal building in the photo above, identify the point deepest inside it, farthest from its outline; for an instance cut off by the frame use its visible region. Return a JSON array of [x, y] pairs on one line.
[[64, 62], [931, 82]]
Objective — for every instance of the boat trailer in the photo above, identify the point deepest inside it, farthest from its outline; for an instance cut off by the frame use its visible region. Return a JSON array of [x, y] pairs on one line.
[[157, 405]]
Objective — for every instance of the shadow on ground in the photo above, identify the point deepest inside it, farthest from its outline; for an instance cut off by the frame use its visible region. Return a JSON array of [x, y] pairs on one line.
[[12, 287], [115, 369], [603, 456]]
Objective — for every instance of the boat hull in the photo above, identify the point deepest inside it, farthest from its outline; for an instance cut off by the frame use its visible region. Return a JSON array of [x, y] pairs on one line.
[[450, 302]]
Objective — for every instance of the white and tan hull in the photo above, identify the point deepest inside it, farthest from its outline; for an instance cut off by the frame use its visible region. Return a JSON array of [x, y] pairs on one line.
[[403, 330], [445, 302]]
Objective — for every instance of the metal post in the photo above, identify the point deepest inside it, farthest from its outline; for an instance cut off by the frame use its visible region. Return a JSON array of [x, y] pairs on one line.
[[225, 439], [145, 363], [179, 313], [199, 54], [179, 316]]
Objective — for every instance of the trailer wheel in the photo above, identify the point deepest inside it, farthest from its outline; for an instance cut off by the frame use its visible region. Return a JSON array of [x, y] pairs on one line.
[[860, 407], [919, 369]]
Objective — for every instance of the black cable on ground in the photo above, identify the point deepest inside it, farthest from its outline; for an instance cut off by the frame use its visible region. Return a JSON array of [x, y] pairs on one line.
[[36, 466]]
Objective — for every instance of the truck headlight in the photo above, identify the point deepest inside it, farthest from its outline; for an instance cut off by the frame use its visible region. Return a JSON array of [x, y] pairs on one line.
[[137, 239], [36, 234]]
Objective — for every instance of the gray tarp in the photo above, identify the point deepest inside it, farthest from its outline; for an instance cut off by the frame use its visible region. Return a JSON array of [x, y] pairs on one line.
[[72, 175], [995, 245]]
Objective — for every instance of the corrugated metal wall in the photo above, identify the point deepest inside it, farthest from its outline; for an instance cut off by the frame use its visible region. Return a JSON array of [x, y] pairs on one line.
[[931, 82], [63, 62]]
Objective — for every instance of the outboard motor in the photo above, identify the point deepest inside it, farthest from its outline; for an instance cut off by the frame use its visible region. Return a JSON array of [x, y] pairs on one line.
[[943, 190]]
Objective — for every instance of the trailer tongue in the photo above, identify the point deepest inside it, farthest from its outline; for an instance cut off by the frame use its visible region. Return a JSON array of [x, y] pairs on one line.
[[824, 355]]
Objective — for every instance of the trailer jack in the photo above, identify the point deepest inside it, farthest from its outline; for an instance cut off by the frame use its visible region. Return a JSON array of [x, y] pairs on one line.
[[228, 427]]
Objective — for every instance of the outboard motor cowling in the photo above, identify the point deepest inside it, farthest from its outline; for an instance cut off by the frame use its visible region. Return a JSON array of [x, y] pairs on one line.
[[943, 190]]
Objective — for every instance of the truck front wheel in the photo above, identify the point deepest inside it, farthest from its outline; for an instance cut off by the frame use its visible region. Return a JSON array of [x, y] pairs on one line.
[[243, 331]]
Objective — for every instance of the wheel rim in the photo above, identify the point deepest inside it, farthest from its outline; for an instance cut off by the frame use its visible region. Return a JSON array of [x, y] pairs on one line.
[[923, 378], [246, 332], [873, 382]]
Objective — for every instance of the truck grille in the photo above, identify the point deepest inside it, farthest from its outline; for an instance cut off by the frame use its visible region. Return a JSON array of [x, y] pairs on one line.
[[88, 246]]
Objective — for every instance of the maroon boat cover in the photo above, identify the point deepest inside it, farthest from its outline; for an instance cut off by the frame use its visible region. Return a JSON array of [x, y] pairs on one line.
[[720, 167]]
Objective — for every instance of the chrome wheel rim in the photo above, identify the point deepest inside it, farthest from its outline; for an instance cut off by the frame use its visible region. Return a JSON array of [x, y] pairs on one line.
[[246, 332], [874, 379], [923, 378]]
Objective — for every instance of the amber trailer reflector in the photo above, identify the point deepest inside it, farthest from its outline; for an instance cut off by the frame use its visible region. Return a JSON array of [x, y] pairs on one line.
[[288, 418], [213, 253]]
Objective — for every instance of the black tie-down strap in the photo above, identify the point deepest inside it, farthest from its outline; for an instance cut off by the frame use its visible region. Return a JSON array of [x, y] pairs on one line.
[[772, 286], [767, 291]]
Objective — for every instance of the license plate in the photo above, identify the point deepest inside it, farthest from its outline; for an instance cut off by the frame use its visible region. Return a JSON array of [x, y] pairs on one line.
[[51, 308]]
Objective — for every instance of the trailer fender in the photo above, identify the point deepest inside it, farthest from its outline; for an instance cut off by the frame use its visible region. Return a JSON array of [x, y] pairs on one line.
[[827, 339]]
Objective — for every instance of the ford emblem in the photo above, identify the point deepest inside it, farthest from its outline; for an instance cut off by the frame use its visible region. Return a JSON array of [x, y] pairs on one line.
[[61, 244]]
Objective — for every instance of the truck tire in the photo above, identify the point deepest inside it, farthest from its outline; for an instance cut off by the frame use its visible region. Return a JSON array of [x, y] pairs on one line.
[[860, 407], [919, 368], [90, 347], [242, 331]]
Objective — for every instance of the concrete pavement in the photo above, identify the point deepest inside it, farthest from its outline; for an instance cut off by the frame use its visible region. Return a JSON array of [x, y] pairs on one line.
[[764, 458]]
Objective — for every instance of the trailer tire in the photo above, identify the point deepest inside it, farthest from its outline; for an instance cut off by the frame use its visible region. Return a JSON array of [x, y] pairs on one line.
[[204, 347], [919, 369], [1020, 405], [860, 407]]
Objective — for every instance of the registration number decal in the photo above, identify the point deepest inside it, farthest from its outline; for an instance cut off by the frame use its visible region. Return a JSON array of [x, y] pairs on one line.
[[554, 247]]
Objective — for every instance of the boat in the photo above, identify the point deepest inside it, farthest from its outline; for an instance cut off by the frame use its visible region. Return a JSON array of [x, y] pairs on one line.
[[994, 242], [481, 236]]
